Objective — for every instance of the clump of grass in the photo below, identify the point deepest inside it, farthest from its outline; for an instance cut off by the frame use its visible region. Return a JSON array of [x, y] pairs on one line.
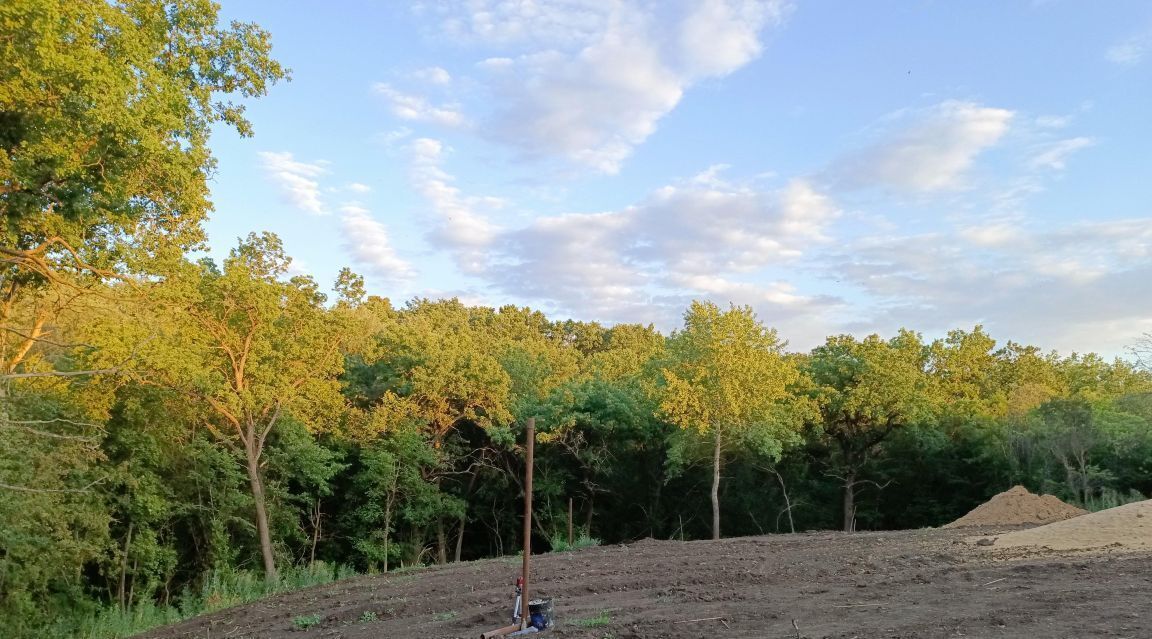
[[445, 616], [1111, 498], [304, 622], [559, 541], [367, 617], [602, 619], [219, 589]]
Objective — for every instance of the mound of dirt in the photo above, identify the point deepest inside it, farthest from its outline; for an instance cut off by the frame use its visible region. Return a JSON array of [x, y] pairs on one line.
[[1017, 506], [1124, 527]]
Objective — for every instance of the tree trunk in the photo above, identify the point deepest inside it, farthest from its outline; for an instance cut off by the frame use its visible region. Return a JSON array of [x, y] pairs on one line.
[[257, 484], [441, 544], [317, 523], [716, 486], [850, 501], [459, 541], [464, 516], [787, 502], [388, 516], [124, 568]]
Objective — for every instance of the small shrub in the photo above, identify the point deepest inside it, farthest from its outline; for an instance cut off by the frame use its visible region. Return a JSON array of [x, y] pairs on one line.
[[367, 617], [602, 619], [305, 622], [559, 541]]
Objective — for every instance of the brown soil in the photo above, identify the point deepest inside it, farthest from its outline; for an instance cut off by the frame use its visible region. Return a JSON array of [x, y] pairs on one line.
[[1127, 527], [1017, 507], [908, 585]]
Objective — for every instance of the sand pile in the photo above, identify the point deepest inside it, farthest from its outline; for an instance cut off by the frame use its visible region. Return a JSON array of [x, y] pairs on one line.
[[1017, 506], [1126, 527]]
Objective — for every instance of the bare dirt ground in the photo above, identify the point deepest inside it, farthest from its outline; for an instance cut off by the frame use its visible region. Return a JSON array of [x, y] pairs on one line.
[[898, 585]]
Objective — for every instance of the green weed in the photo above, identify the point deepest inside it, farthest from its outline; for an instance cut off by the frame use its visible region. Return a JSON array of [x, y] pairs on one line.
[[220, 589], [602, 619], [559, 541], [305, 622]]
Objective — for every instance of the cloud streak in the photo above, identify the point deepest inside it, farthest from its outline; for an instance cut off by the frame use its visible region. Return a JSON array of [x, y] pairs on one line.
[[924, 151], [568, 96], [368, 243], [298, 181]]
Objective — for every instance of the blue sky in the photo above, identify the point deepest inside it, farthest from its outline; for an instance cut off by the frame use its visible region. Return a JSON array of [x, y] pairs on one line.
[[840, 166]]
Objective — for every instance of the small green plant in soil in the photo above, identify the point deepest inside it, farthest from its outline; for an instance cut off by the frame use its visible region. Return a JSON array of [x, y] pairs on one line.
[[304, 622], [559, 541], [444, 616], [602, 619], [367, 617]]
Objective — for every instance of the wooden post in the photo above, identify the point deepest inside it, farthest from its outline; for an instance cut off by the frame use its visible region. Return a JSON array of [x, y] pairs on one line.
[[530, 445], [570, 539]]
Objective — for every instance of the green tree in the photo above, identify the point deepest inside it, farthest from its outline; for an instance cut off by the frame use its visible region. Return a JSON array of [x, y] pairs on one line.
[[866, 389], [253, 350], [105, 114], [726, 377]]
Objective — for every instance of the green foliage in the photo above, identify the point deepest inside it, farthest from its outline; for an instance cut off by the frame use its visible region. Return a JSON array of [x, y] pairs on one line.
[[559, 541], [305, 622], [366, 617], [599, 621]]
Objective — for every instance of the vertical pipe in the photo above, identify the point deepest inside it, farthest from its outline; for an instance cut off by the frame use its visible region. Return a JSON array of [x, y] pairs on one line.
[[530, 444]]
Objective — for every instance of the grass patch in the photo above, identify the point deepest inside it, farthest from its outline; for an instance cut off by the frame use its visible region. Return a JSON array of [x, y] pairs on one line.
[[1109, 498], [445, 616], [305, 622], [221, 589], [367, 617], [600, 620], [559, 541]]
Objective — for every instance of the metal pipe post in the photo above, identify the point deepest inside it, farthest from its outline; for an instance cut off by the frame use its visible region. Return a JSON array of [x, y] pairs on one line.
[[525, 615]]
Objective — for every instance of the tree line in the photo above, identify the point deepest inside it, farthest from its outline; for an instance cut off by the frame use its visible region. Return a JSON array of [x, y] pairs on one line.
[[165, 420]]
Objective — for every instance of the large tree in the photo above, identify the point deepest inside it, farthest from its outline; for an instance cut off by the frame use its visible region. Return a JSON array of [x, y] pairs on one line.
[[726, 378], [252, 350], [865, 390], [105, 113]]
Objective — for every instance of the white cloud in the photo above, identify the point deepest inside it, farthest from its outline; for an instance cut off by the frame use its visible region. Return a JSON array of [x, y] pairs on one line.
[[1050, 286], [1053, 121], [546, 22], [686, 240], [580, 103], [460, 227], [992, 235], [1131, 51], [433, 75], [297, 180], [719, 36], [415, 108], [367, 240], [391, 139], [357, 187], [929, 150], [1055, 155]]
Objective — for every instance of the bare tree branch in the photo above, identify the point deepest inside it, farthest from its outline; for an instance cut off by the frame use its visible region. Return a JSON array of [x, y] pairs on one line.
[[25, 489], [100, 371], [26, 425]]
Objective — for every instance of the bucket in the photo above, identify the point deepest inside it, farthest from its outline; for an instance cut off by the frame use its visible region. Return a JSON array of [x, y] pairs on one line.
[[540, 613]]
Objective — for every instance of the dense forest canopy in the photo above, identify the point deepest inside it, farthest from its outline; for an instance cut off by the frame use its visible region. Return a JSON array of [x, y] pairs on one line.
[[165, 421]]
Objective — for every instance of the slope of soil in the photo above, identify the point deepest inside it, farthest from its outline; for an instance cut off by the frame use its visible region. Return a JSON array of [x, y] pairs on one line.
[[909, 585], [1017, 506], [1126, 527]]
